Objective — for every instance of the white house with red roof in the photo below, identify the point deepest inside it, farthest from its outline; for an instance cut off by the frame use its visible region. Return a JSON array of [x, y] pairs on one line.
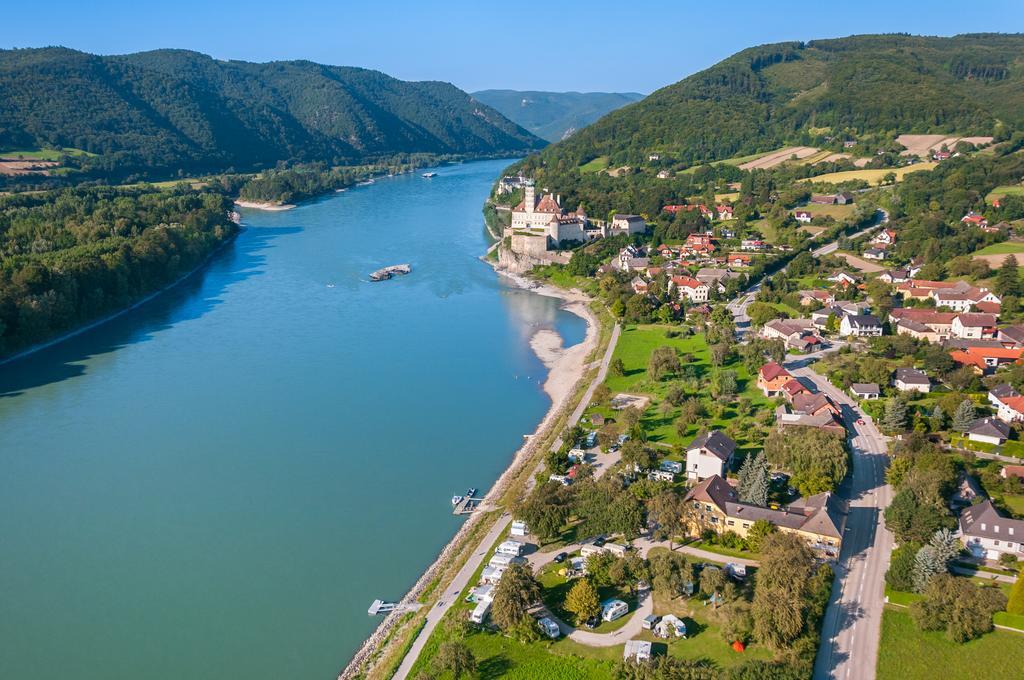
[[690, 288], [884, 238], [724, 211], [974, 219], [803, 216]]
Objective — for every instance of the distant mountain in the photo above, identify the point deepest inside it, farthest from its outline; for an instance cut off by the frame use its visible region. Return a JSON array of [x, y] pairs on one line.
[[803, 93], [555, 115], [174, 109]]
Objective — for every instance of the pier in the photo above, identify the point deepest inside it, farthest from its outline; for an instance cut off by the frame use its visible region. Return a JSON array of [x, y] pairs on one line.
[[387, 272]]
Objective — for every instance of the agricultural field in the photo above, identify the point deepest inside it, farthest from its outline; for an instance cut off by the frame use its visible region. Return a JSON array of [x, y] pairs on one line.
[[907, 653], [596, 165], [923, 145], [42, 154], [1006, 190], [872, 176], [837, 212], [1003, 248], [779, 157]]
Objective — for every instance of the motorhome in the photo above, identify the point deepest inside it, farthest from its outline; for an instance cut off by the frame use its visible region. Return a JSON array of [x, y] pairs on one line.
[[614, 609]]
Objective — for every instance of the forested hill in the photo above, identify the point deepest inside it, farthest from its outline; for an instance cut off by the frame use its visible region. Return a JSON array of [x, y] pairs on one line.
[[806, 93], [173, 109], [555, 115]]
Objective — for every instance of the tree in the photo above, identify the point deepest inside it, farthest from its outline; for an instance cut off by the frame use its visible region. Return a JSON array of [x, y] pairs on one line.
[[637, 456], [670, 572], [895, 417], [900, 575], [664, 361], [516, 593], [582, 600], [911, 518], [737, 623], [455, 658], [818, 459], [616, 367], [723, 384], [946, 546], [959, 607], [937, 419], [964, 416], [668, 514], [761, 313], [1007, 278], [781, 588], [712, 580], [754, 488], [758, 531], [927, 564]]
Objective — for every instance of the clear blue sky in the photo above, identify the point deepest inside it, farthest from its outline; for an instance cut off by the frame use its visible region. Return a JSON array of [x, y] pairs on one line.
[[637, 45]]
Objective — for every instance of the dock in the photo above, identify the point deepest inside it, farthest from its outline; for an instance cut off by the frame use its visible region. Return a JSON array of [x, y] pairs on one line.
[[382, 607], [386, 273], [464, 505]]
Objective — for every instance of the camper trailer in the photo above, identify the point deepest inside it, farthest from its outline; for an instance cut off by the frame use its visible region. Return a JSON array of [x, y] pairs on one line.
[[614, 609]]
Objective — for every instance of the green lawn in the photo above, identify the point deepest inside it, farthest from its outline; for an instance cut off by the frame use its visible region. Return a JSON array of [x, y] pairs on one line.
[[596, 165], [1001, 248], [1006, 190], [555, 588], [907, 653], [634, 349], [725, 552], [1015, 503], [871, 176]]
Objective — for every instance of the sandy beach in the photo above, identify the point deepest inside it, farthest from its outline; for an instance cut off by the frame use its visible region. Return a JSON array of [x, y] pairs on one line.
[[273, 207]]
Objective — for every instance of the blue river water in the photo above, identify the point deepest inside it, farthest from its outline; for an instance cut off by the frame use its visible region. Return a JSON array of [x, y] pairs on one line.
[[217, 484]]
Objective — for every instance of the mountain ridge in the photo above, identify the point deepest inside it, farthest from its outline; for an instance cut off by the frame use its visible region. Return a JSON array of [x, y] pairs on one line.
[[554, 115]]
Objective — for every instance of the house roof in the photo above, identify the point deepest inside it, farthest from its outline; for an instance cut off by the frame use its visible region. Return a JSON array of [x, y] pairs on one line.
[[976, 356], [810, 403], [687, 282], [715, 490], [794, 387], [925, 316], [791, 326], [975, 320], [864, 320], [989, 427], [1015, 402], [913, 326], [985, 521], [912, 376], [1013, 471], [1003, 391], [988, 307], [772, 370], [715, 442], [1015, 333], [629, 218], [865, 388]]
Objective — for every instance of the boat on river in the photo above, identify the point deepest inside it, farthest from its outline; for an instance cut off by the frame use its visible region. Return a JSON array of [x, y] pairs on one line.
[[428, 175], [386, 273]]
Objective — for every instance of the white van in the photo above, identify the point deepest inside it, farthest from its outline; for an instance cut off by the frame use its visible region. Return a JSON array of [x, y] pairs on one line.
[[614, 609], [549, 627]]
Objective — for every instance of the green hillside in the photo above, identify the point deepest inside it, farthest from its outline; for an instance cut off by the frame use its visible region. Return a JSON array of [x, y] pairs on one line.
[[816, 94], [555, 115], [170, 110]]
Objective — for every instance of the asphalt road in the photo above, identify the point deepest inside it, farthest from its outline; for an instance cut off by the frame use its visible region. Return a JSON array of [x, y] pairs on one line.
[[834, 246], [853, 620], [482, 551]]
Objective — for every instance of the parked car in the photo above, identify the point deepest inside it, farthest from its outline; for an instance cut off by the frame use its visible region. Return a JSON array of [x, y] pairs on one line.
[[600, 541], [561, 557], [592, 622]]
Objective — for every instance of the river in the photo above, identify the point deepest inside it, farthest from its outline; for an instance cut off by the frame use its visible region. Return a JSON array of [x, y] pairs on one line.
[[217, 484]]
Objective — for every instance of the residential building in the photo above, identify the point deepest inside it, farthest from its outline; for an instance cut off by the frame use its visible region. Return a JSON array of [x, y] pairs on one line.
[[794, 388], [809, 297], [841, 198], [627, 224], [725, 212], [923, 324], [709, 454], [1011, 336], [988, 534], [690, 288], [874, 254], [1009, 408], [738, 260], [986, 359], [974, 325], [753, 244], [860, 325], [803, 216], [771, 378], [911, 380], [640, 287], [988, 430], [844, 278], [792, 331], [825, 420], [1000, 392], [814, 404], [974, 219], [715, 277], [865, 390], [886, 237], [1009, 471], [819, 519]]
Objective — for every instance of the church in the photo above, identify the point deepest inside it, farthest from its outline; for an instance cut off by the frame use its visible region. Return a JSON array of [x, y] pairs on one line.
[[546, 216]]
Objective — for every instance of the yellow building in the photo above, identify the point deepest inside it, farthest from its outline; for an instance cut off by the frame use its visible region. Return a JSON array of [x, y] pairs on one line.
[[817, 519]]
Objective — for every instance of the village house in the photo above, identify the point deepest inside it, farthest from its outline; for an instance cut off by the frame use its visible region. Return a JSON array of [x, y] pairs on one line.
[[885, 238], [844, 279], [1011, 336], [974, 326], [725, 212], [699, 244], [1008, 402], [842, 198], [874, 254], [640, 287], [690, 288], [1009, 471], [865, 390], [825, 420], [664, 174], [627, 224], [709, 454], [753, 244], [810, 297], [714, 277], [818, 519], [739, 259], [911, 380], [860, 325], [771, 378], [985, 359], [989, 431], [963, 297], [1000, 392], [793, 389], [974, 219], [814, 405], [987, 534], [923, 324], [791, 331], [921, 289], [803, 216]]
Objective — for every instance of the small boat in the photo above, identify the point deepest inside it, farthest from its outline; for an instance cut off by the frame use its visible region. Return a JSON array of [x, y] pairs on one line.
[[456, 500], [330, 285], [430, 174], [365, 183], [387, 272], [471, 492]]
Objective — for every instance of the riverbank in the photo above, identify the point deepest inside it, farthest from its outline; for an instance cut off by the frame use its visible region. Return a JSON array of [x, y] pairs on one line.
[[567, 368], [272, 207], [135, 305]]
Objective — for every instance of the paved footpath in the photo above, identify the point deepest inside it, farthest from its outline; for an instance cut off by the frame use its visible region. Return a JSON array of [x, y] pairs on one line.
[[462, 579]]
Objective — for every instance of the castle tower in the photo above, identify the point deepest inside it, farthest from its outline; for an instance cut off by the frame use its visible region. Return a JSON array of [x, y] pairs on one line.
[[530, 198]]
